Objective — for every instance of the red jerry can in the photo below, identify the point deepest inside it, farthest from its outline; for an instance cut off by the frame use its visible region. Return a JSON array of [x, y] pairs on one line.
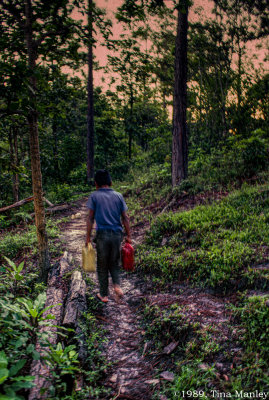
[[127, 257]]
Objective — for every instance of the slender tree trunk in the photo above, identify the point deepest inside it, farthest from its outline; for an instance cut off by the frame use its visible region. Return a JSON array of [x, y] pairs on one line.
[[90, 111], [179, 145], [55, 151], [130, 129], [14, 161], [239, 76], [44, 259]]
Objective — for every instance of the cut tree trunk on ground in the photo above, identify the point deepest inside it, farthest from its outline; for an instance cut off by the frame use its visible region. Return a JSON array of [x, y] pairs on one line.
[[75, 307], [55, 297], [17, 204], [56, 209], [22, 202]]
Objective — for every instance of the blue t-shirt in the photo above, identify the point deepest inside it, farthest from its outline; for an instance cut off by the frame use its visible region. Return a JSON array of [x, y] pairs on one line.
[[108, 206]]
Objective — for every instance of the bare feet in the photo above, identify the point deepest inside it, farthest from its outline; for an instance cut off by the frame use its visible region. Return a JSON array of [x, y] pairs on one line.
[[118, 290], [103, 299]]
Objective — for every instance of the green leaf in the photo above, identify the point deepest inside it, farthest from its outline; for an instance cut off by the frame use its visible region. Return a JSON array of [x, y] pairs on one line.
[[20, 267], [36, 355], [3, 360], [33, 312], [18, 277], [15, 368], [47, 308], [3, 374], [11, 263], [22, 383], [72, 353], [30, 348]]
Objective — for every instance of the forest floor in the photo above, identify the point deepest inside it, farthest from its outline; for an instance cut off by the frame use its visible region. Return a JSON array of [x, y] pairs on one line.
[[136, 372]]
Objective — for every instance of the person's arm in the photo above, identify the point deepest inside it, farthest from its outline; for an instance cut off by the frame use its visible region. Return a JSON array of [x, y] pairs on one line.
[[90, 222], [126, 224]]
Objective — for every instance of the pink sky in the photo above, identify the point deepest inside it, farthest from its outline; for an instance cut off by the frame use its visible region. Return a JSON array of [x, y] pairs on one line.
[[111, 6]]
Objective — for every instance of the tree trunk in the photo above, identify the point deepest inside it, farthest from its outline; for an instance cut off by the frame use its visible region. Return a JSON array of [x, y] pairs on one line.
[[14, 160], [55, 151], [90, 111], [130, 128], [44, 260], [179, 146]]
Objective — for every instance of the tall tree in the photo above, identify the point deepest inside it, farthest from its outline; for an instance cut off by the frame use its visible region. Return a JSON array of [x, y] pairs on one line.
[[132, 9], [44, 259], [95, 20], [90, 109], [179, 146], [40, 30]]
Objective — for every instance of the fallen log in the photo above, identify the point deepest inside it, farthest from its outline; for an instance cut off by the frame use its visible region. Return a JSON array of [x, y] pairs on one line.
[[56, 294], [76, 300], [55, 209], [17, 204], [75, 306], [22, 202], [48, 202]]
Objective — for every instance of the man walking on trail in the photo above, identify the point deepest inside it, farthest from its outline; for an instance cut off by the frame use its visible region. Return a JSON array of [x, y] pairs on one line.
[[108, 209]]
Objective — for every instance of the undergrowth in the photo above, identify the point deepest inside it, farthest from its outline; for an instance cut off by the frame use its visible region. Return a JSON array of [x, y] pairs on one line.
[[198, 346], [215, 245], [23, 240]]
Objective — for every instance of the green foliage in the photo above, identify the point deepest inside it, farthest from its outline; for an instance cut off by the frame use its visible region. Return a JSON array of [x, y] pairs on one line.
[[251, 371], [254, 316], [14, 273], [20, 320], [95, 365], [196, 344], [10, 380], [253, 154], [30, 311], [64, 365], [60, 192], [13, 243], [239, 159], [164, 326], [214, 245], [193, 381]]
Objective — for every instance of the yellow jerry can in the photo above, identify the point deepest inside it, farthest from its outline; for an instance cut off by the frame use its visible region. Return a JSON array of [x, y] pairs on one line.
[[88, 258]]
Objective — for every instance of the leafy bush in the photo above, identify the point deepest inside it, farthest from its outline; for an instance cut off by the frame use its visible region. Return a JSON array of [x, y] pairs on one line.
[[251, 155], [19, 324], [78, 175], [63, 365], [60, 192], [119, 170]]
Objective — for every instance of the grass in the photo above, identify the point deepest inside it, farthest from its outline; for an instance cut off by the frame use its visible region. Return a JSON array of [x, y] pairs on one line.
[[215, 245], [192, 361], [13, 243]]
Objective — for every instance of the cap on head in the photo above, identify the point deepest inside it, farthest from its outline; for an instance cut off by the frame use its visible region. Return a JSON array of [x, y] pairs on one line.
[[102, 178]]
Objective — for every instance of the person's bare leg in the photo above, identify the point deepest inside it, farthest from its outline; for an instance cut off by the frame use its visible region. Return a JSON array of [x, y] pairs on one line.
[[118, 290], [103, 299]]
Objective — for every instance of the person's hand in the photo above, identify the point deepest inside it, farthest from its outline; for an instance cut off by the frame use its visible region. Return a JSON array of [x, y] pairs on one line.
[[128, 239]]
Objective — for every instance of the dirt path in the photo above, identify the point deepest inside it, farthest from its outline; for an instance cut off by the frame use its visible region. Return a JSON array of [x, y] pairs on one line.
[[132, 377], [131, 373]]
